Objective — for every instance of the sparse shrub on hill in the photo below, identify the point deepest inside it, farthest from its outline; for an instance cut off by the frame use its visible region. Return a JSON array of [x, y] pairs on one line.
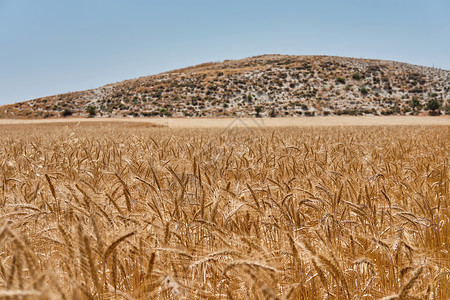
[[66, 112], [258, 110], [364, 91], [433, 106], [91, 110], [356, 76], [273, 113], [447, 109], [164, 112], [149, 113], [415, 104], [340, 80]]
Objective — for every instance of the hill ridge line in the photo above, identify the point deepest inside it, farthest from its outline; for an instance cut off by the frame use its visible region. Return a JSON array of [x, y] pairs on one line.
[[259, 86]]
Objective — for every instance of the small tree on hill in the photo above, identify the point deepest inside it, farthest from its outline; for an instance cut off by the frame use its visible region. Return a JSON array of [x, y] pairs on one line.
[[273, 113], [258, 110], [66, 112], [433, 106], [415, 104], [91, 110]]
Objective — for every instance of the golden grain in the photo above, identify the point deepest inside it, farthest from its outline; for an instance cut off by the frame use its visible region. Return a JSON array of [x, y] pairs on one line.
[[107, 211]]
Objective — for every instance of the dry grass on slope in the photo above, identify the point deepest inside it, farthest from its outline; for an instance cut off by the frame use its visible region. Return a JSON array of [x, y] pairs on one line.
[[105, 212]]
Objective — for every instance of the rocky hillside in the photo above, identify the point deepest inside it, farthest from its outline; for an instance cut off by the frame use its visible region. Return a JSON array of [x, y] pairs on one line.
[[269, 86]]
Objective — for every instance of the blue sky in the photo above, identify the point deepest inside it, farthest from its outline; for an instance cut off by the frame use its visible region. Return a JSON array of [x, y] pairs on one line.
[[56, 46]]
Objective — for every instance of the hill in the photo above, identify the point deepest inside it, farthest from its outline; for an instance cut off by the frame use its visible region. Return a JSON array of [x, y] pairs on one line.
[[269, 85]]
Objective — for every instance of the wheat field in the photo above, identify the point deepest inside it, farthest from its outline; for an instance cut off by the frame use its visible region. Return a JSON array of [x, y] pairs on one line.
[[130, 211]]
